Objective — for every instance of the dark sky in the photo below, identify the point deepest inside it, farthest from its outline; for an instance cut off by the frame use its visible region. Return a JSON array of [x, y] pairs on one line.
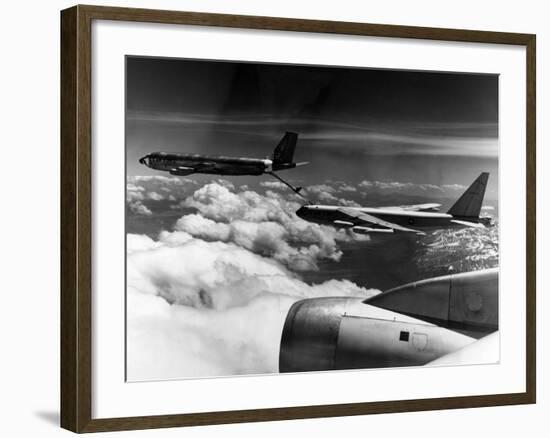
[[354, 124]]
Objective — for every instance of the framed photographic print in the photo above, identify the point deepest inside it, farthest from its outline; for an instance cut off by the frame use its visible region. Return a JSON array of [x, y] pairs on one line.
[[305, 218]]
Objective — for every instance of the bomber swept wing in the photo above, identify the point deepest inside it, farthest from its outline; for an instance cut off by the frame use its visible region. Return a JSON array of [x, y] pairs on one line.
[[468, 223], [357, 215], [418, 207]]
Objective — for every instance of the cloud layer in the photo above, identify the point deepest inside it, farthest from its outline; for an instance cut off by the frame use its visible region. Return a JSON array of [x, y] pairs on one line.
[[135, 195], [339, 192], [210, 296], [264, 224], [198, 308]]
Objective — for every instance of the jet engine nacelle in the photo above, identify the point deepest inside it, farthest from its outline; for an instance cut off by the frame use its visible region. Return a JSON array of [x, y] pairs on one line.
[[345, 333], [182, 171]]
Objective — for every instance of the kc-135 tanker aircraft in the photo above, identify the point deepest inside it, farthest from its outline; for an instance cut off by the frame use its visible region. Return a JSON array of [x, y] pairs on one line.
[[187, 164], [361, 220]]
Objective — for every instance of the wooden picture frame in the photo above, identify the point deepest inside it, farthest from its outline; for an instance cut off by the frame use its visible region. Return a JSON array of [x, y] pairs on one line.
[[76, 217]]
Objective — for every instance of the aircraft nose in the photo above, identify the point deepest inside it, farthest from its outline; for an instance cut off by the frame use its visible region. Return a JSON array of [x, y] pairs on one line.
[[302, 212]]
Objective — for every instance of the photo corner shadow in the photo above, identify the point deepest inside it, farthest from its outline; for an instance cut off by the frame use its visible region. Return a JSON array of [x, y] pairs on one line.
[[51, 417]]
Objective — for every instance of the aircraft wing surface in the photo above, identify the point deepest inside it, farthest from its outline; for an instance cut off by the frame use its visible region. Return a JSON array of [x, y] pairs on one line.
[[418, 207], [357, 215], [468, 223]]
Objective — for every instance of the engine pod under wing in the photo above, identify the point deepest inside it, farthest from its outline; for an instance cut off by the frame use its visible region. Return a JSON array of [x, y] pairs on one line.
[[345, 333], [182, 171]]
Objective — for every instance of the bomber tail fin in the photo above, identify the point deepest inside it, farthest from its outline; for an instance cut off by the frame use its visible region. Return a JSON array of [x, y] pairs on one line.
[[284, 152], [469, 204]]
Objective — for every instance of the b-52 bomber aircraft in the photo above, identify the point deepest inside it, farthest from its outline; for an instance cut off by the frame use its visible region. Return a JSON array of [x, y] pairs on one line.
[[362, 220], [187, 164]]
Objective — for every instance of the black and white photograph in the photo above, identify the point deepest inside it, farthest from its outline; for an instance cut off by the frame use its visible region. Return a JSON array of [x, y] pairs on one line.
[[287, 218]]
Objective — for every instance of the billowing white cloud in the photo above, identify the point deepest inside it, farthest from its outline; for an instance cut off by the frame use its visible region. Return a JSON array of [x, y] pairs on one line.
[[134, 199], [327, 193], [198, 308], [409, 188], [134, 193], [330, 191], [398, 186], [451, 187], [327, 198], [226, 183], [137, 207], [320, 188], [154, 196], [155, 188], [210, 297], [264, 224], [274, 185], [346, 188], [270, 239], [348, 203], [319, 193]]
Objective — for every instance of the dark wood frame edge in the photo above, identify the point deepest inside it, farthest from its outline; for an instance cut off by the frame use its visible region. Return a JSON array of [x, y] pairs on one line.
[[76, 341]]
